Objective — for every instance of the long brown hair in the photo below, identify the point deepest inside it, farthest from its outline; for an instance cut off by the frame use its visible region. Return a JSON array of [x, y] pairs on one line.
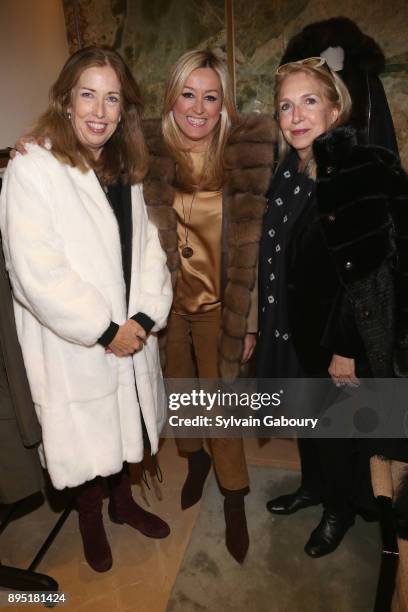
[[125, 153], [213, 168]]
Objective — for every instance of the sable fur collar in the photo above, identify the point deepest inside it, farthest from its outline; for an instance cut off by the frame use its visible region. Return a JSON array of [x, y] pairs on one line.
[[334, 146], [249, 159], [360, 51]]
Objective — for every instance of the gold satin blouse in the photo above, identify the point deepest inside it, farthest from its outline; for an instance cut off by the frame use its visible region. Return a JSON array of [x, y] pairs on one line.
[[199, 277]]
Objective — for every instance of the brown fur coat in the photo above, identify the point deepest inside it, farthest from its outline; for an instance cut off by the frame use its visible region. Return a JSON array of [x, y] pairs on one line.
[[249, 159]]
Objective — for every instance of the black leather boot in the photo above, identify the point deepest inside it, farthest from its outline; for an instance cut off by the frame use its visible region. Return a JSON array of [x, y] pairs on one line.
[[291, 503], [329, 533], [236, 529], [199, 464]]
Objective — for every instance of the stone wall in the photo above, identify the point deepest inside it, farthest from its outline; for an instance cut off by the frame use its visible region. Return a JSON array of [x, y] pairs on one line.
[[152, 34]]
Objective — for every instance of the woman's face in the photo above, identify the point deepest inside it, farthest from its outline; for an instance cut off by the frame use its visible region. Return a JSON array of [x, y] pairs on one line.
[[304, 111], [197, 109], [95, 107]]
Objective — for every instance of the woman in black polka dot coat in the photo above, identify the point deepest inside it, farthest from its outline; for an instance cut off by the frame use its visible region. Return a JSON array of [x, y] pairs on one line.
[[333, 281]]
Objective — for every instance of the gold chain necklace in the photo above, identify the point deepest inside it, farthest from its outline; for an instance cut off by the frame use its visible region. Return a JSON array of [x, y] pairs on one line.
[[187, 251]]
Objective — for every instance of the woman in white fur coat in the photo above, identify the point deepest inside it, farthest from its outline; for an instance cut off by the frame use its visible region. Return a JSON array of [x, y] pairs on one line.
[[90, 287]]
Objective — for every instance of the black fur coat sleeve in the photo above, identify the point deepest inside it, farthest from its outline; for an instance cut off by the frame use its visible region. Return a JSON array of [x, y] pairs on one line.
[[362, 195]]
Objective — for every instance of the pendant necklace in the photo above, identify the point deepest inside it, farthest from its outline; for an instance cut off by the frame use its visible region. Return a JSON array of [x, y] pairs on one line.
[[187, 250]]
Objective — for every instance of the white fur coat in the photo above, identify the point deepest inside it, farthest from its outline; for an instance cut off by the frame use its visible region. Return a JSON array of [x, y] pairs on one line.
[[63, 255]]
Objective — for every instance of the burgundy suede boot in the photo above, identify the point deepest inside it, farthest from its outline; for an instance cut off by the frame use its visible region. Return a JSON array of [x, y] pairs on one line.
[[123, 509], [236, 529], [199, 464], [97, 551]]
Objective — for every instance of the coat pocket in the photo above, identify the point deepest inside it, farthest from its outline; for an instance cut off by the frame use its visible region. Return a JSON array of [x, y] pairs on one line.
[[90, 372]]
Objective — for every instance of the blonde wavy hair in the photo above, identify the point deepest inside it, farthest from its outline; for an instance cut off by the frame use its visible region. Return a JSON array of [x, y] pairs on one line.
[[213, 168], [334, 89]]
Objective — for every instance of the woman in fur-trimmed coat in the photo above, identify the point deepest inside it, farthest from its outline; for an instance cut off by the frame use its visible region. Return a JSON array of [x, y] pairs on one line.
[[205, 192], [333, 277]]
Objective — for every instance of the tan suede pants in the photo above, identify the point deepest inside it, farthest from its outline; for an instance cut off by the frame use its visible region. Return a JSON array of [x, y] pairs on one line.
[[385, 478], [192, 351]]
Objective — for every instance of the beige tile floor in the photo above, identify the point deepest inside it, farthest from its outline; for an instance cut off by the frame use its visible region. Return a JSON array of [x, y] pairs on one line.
[[144, 570]]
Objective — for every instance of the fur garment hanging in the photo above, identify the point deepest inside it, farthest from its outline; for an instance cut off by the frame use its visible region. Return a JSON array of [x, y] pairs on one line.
[[249, 161], [361, 51]]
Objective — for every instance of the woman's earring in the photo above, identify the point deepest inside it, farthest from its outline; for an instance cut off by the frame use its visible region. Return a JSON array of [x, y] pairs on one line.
[[69, 115]]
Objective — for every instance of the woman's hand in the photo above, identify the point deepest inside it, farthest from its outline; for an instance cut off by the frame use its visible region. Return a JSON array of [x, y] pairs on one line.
[[138, 330], [129, 339], [249, 347], [20, 146], [342, 371]]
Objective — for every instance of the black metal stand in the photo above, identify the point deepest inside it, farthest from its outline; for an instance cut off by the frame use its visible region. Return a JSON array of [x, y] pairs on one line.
[[389, 557], [28, 579]]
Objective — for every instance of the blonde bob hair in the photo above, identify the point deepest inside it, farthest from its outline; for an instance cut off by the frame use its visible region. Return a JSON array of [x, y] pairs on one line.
[[334, 89], [213, 168], [125, 153]]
